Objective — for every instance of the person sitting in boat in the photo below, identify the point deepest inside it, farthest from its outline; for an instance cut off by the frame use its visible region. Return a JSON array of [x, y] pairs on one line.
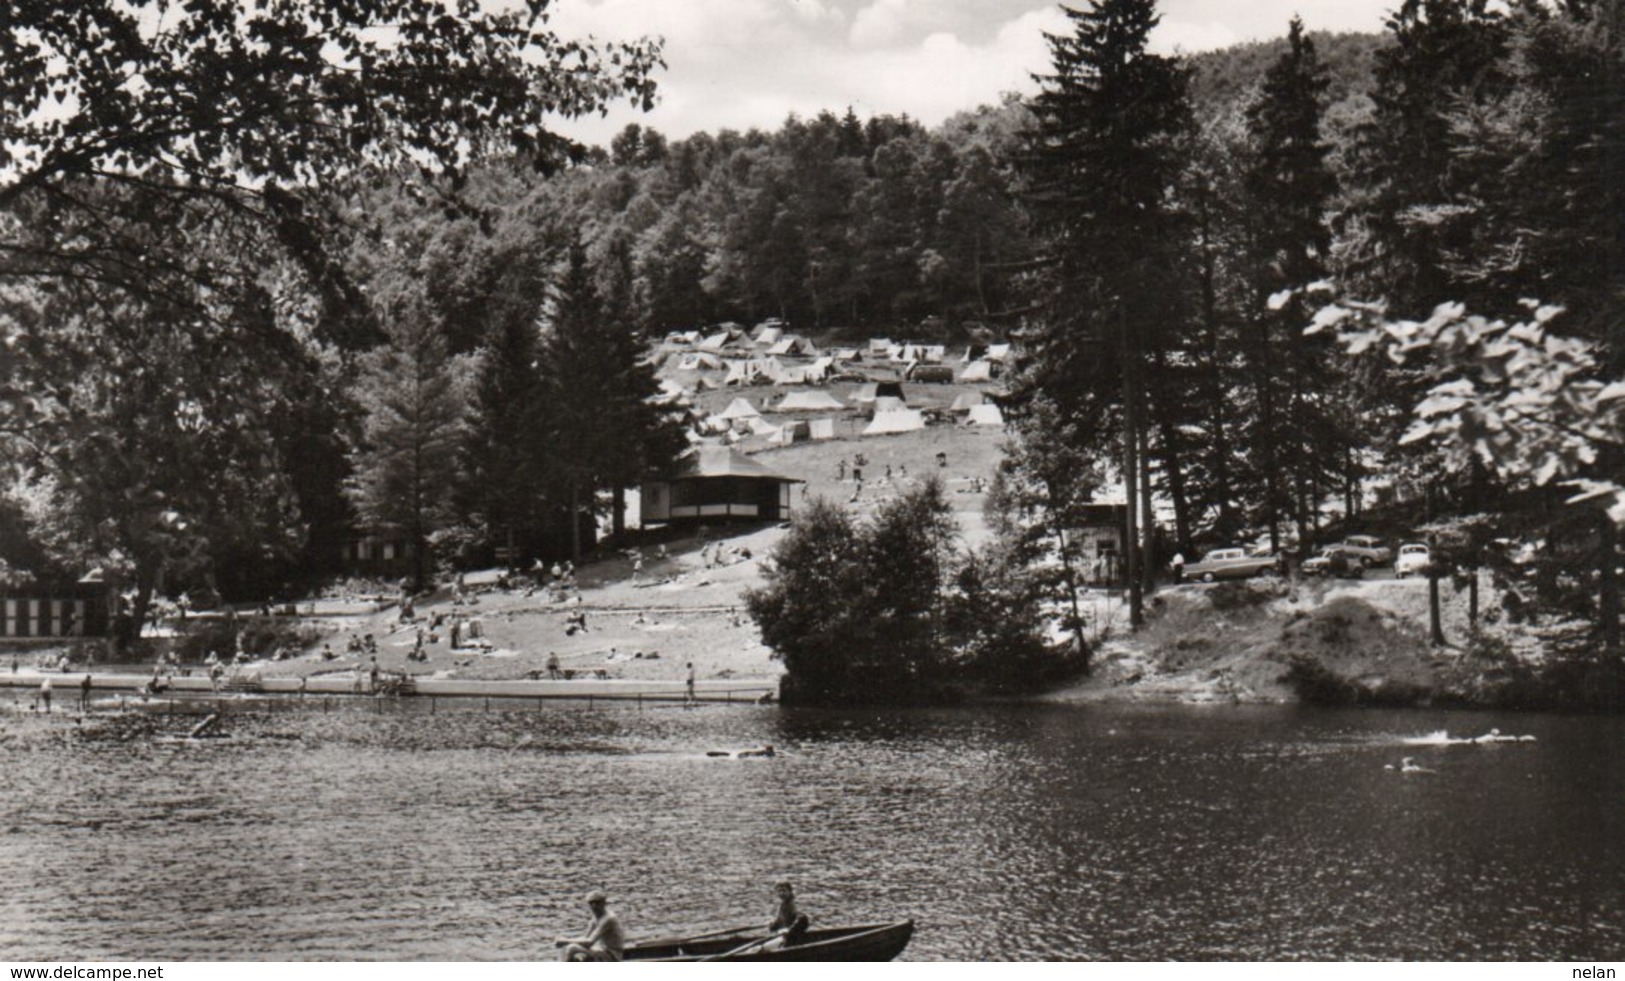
[[605, 940], [789, 923]]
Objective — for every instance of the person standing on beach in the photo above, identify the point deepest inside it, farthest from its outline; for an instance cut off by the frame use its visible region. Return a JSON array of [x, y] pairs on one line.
[[688, 695], [45, 694], [84, 693]]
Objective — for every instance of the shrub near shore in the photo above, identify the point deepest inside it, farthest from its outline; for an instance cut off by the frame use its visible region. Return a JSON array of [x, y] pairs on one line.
[[894, 609]]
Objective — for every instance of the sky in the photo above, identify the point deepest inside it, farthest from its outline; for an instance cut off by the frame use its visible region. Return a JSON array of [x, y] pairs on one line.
[[750, 63]]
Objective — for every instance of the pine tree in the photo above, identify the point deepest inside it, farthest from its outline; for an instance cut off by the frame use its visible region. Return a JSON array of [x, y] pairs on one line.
[[1296, 437], [415, 398], [601, 427], [504, 454], [1406, 216], [1100, 163]]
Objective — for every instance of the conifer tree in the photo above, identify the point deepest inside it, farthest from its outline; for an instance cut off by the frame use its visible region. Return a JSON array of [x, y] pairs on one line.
[[602, 430], [414, 395], [1099, 164], [1296, 437]]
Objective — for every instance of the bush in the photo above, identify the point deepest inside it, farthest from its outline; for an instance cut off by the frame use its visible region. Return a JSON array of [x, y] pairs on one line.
[[891, 611], [260, 635]]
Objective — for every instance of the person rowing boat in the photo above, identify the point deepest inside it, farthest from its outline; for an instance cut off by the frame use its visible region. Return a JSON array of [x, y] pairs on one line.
[[605, 940]]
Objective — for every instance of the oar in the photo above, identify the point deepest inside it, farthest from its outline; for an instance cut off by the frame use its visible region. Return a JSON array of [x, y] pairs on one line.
[[685, 938], [741, 948]]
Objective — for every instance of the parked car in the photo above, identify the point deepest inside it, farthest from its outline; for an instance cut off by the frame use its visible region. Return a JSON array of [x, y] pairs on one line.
[[1335, 560], [1413, 559], [1231, 563], [1368, 550]]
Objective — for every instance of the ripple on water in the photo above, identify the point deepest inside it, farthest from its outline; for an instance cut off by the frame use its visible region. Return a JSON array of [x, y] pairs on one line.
[[1036, 832]]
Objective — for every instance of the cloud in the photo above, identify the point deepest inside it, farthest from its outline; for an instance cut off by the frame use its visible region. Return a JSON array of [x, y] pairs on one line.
[[739, 64], [879, 24], [815, 12], [1188, 37]]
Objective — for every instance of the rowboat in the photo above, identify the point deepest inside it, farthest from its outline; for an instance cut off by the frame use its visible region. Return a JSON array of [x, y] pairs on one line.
[[870, 942]]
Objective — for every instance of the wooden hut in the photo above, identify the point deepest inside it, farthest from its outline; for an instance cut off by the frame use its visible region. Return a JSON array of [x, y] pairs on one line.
[[718, 483]]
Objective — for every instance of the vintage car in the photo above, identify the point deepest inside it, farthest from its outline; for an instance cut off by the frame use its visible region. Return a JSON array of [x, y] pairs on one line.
[[1413, 560], [1335, 560], [1368, 550], [1231, 563]]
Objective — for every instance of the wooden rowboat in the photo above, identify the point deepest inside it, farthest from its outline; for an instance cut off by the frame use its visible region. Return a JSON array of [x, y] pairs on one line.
[[870, 942]]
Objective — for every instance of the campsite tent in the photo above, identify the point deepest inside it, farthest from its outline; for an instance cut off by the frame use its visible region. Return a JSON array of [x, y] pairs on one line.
[[749, 370], [822, 428], [793, 344], [761, 427], [901, 421], [977, 371], [986, 414], [739, 409], [768, 335], [869, 391], [967, 401], [998, 352], [887, 403], [698, 361], [820, 369], [809, 402], [730, 335], [793, 431]]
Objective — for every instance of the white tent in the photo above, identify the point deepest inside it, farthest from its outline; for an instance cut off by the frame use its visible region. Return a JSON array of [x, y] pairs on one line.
[[998, 352], [761, 427], [792, 431], [986, 414], [820, 369], [903, 421], [967, 401], [769, 335], [822, 428], [748, 370], [739, 409], [809, 402], [792, 344], [887, 403], [977, 371], [879, 345], [698, 361]]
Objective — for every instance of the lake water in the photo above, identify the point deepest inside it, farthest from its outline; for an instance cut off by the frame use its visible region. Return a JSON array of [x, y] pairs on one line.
[[1018, 832]]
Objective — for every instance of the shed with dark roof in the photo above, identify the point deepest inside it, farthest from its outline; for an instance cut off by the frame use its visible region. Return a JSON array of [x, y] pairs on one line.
[[718, 483]]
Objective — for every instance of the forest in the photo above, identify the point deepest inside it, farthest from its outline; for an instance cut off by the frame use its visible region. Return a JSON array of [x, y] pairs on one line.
[[252, 304]]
